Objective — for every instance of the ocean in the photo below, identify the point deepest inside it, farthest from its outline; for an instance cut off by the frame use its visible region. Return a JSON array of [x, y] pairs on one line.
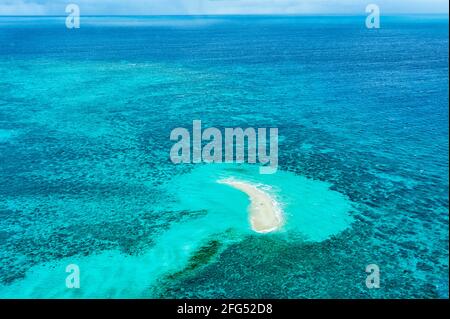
[[86, 179]]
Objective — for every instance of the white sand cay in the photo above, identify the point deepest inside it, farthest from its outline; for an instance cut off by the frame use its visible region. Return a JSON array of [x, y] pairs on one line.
[[265, 214]]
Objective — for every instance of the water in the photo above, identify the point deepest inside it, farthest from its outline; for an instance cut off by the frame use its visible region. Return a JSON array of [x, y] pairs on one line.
[[85, 175]]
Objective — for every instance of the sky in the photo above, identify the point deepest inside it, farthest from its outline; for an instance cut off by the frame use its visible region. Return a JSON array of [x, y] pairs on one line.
[[190, 7]]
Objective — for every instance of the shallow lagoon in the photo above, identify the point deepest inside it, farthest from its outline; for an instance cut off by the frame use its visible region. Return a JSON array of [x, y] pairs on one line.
[[311, 210]]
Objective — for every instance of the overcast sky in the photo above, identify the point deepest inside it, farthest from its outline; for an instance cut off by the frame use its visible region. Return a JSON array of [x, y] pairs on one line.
[[183, 7]]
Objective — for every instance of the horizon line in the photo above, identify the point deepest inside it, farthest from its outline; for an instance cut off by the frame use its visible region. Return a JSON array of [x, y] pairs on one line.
[[233, 14]]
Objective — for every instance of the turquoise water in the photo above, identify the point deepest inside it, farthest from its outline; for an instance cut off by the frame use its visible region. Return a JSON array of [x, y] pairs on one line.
[[218, 220], [85, 175]]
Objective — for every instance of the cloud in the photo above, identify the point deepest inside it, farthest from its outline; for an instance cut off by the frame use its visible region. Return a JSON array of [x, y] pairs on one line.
[[21, 7], [169, 7]]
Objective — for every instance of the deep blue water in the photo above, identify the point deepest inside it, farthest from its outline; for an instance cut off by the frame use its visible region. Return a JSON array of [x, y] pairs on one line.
[[85, 118]]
